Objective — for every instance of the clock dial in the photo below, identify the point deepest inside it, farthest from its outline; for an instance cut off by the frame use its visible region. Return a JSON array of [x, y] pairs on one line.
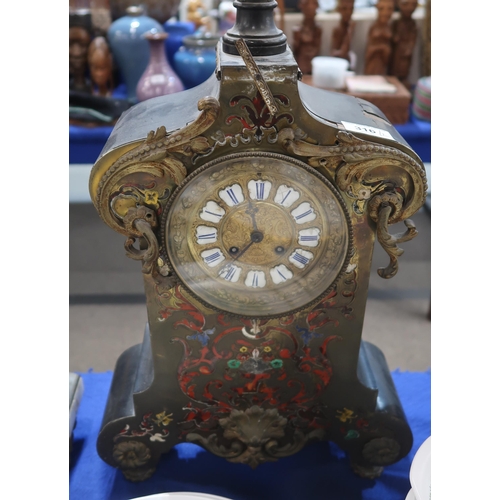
[[256, 235]]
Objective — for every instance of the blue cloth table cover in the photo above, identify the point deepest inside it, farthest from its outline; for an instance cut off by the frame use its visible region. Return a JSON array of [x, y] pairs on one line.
[[320, 471], [417, 133], [86, 143]]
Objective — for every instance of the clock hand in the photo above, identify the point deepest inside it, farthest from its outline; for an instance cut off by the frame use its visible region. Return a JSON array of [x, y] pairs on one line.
[[252, 210], [243, 251], [255, 237]]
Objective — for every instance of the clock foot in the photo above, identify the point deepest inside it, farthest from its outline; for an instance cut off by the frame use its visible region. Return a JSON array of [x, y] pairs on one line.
[[132, 439], [135, 459], [373, 438], [139, 474], [368, 461], [367, 471]]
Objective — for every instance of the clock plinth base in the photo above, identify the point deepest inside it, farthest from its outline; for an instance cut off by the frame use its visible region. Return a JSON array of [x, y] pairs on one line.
[[143, 421]]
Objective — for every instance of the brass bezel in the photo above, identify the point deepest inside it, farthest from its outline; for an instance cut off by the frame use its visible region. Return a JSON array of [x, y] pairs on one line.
[[340, 206]]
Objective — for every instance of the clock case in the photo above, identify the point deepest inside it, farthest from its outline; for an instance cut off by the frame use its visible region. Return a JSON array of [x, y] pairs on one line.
[[255, 389]]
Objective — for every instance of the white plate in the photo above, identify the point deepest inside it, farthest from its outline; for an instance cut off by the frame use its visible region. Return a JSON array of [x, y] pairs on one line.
[[182, 495], [420, 472]]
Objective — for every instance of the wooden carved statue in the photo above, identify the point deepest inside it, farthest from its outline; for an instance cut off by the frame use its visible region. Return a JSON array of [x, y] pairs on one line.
[[404, 37], [100, 14], [281, 9], [342, 34], [379, 45], [426, 41], [307, 36], [100, 63], [197, 13], [79, 40]]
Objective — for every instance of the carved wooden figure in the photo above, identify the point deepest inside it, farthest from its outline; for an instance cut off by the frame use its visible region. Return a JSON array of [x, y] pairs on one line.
[[342, 34], [253, 202], [100, 63], [307, 36], [379, 45], [426, 41], [197, 13], [281, 8], [404, 37], [79, 40]]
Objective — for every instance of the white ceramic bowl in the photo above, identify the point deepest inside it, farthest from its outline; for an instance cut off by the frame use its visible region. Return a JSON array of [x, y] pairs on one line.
[[182, 495], [420, 472]]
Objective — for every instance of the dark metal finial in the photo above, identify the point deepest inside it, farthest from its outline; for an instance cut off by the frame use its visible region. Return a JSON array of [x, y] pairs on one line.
[[255, 24]]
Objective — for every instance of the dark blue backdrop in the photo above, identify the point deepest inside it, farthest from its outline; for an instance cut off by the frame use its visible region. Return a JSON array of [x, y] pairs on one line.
[[85, 144]]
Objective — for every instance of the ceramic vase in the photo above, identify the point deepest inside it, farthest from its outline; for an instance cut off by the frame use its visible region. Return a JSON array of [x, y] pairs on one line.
[[130, 49], [176, 30], [158, 78], [195, 61]]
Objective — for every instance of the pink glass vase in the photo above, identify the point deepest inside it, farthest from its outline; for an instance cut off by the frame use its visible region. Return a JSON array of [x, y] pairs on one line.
[[158, 78]]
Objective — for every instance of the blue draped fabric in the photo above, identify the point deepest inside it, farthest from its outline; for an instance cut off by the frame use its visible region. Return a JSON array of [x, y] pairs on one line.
[[319, 471]]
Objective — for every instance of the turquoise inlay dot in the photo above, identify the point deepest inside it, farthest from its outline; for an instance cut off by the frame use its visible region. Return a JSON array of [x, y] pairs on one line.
[[352, 434], [277, 363], [233, 363]]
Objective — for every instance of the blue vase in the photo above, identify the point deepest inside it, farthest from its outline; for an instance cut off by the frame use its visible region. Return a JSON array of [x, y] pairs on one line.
[[130, 49], [195, 61], [176, 30]]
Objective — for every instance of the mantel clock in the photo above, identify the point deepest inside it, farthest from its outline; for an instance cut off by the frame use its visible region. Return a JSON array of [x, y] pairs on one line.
[[253, 202]]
